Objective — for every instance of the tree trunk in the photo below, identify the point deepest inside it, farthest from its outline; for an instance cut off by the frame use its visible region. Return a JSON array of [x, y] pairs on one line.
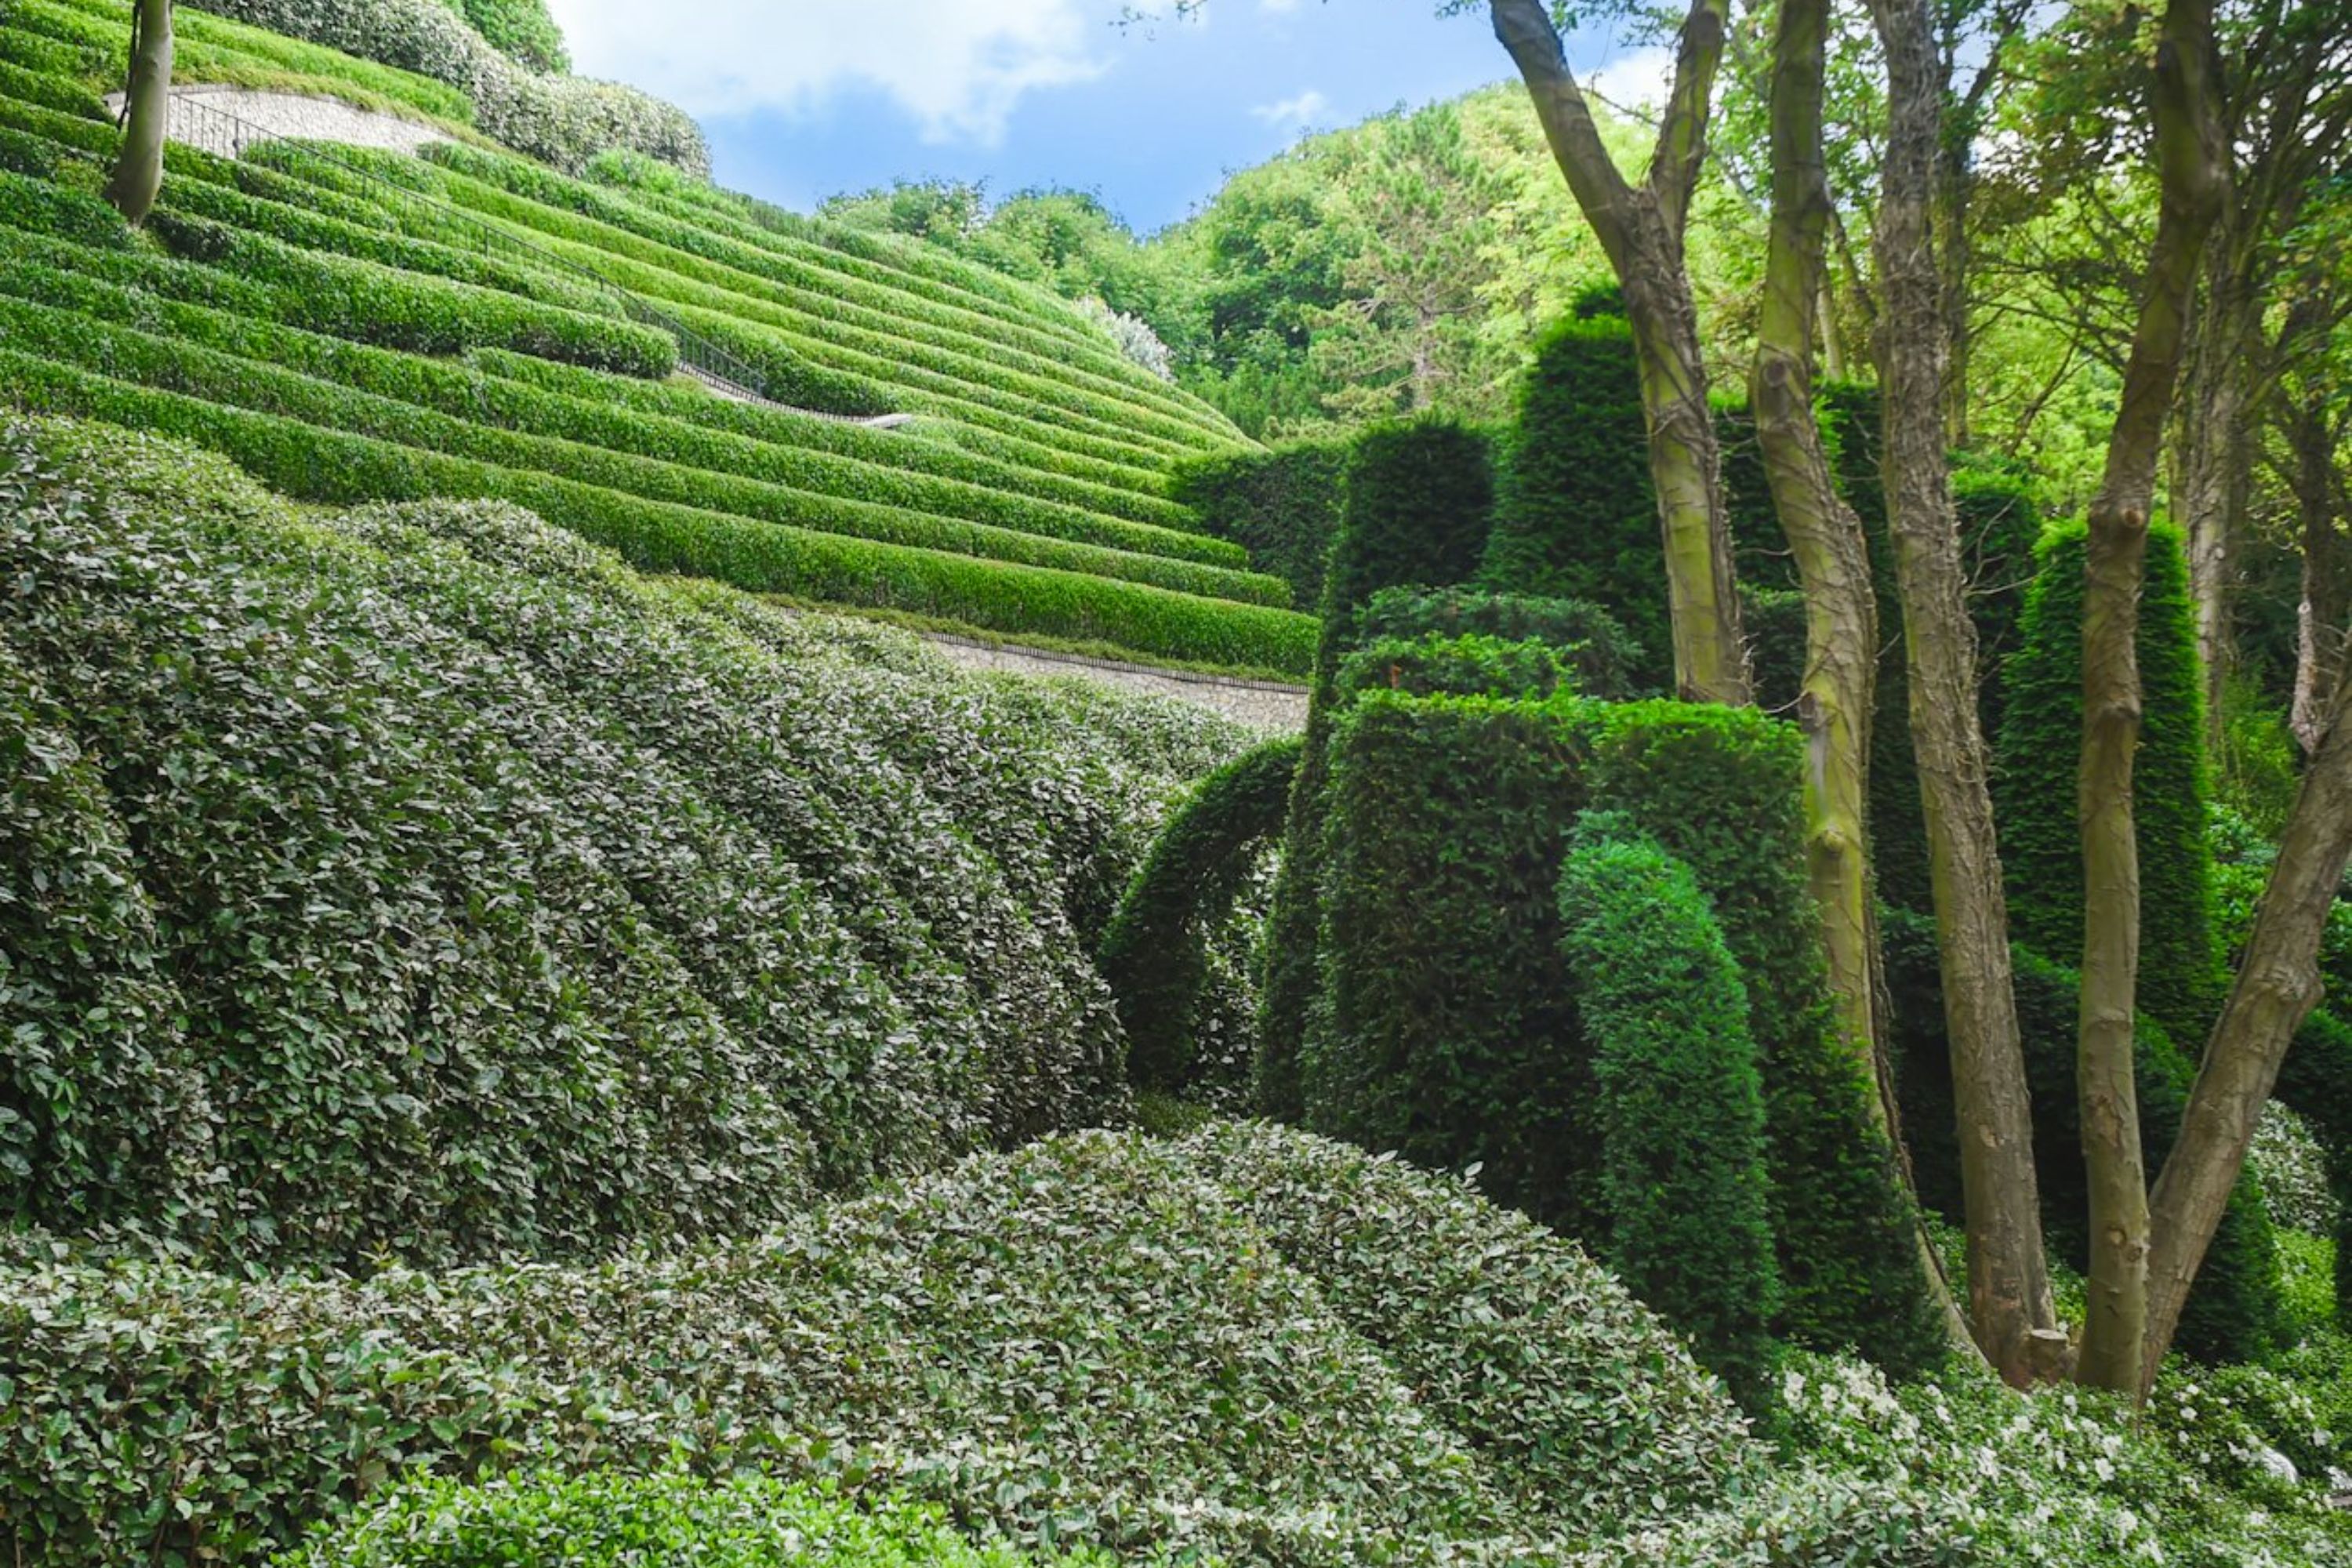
[[2277, 986], [1640, 230], [147, 103], [1825, 534], [1953, 178], [2195, 162], [2011, 1313], [2327, 584], [2216, 414]]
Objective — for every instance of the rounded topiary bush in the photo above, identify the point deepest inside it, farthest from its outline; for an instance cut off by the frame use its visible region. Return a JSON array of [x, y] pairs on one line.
[[1680, 1100], [1588, 639]]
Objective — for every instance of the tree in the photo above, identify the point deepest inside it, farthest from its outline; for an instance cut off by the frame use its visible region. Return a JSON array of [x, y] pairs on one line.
[[138, 174], [2195, 173], [2011, 1307]]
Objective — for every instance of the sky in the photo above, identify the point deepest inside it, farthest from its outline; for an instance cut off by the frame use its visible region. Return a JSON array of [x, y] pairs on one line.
[[803, 99]]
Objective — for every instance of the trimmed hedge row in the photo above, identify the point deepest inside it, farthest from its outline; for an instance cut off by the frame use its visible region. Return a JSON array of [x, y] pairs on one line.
[[1284, 504], [464, 393], [868, 343], [1154, 955], [1587, 639], [311, 463], [1011, 345], [22, 81], [1678, 1096], [2181, 980], [900, 448], [368, 302], [1434, 664], [173, 365], [1248, 1347], [36, 205]]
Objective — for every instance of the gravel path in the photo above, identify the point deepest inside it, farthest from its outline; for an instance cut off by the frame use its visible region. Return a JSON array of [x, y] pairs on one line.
[[1260, 704], [287, 114]]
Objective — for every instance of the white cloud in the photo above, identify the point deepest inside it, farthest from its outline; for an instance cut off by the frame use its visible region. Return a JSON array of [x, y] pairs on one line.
[[1635, 81], [957, 67], [1293, 113]]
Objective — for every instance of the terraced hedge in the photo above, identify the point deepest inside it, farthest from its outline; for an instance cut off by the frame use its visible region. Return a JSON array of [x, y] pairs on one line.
[[171, 363]]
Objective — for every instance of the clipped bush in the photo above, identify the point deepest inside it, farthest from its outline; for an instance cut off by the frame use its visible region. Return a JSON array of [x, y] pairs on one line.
[[1587, 639], [2233, 1310], [622, 1521], [1719, 789], [1465, 665], [1418, 501], [535, 910], [369, 302], [1155, 955], [1679, 1098], [520, 29], [35, 205], [1446, 1026], [1574, 517], [2041, 749], [1282, 504], [1126, 1317], [662, 537]]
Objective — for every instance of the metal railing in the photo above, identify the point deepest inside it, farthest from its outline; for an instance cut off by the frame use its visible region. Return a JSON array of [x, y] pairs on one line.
[[211, 129]]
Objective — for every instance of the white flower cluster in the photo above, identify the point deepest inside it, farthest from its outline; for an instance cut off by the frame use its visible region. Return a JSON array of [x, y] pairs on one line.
[[565, 121], [1134, 337]]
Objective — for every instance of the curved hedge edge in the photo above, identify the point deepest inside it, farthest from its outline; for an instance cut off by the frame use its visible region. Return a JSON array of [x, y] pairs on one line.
[[1151, 954]]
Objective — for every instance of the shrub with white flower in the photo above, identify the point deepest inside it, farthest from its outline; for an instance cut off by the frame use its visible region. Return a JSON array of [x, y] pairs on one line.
[[1134, 337]]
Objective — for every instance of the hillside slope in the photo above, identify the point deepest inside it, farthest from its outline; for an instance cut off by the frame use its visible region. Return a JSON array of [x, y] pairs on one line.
[[353, 326], [418, 880]]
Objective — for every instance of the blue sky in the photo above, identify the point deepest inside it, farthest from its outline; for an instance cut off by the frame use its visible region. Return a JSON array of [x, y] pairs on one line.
[[803, 97]]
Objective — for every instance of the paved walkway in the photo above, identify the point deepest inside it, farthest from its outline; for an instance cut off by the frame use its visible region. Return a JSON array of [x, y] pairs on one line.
[[1260, 704], [290, 115]]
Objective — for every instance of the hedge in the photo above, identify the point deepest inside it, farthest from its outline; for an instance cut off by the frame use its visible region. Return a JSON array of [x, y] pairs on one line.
[[2181, 983], [2233, 1311], [242, 383], [1474, 666], [311, 463], [1446, 1028], [608, 1520], [2317, 1082], [1417, 502], [868, 343], [464, 392], [1155, 955], [1175, 1366], [1574, 514], [74, 217], [1719, 789], [1678, 1098], [482, 901], [1075, 356], [1282, 504], [1061, 481], [21, 80], [520, 29], [368, 302], [1589, 638]]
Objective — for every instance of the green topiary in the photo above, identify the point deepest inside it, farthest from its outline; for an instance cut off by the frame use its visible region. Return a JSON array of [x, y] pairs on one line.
[[1418, 499], [1575, 515], [2234, 1312], [1154, 954], [1465, 665], [1596, 646], [1282, 504], [1678, 1096], [1719, 790], [2035, 790]]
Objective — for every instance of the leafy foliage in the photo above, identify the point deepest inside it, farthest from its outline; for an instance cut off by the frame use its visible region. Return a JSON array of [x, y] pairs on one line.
[[422, 883], [1282, 504], [1155, 957], [1257, 1344], [1465, 665], [1587, 638], [1679, 1098]]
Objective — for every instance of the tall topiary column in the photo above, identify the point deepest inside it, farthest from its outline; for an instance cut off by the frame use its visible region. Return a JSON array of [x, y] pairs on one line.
[[1419, 497]]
